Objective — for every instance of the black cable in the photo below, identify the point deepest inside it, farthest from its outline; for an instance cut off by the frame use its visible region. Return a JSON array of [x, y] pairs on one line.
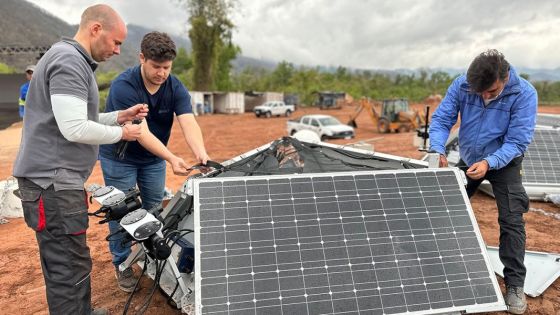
[[175, 215], [170, 232], [170, 297], [144, 306], [157, 278], [129, 300], [109, 239], [160, 267], [168, 237], [178, 238]]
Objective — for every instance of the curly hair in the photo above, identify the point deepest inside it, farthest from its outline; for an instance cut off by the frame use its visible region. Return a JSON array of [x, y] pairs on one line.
[[486, 69], [158, 46]]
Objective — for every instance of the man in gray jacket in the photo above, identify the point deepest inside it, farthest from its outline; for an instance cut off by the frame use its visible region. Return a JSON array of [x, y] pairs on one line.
[[62, 131]]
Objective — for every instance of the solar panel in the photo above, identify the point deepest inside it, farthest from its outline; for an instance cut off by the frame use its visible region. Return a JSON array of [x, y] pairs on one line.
[[383, 242], [548, 120], [541, 164]]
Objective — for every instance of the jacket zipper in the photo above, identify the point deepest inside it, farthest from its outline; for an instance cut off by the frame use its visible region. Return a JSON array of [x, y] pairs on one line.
[[478, 133]]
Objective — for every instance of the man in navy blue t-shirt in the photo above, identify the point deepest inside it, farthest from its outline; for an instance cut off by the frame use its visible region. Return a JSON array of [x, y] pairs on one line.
[[143, 163]]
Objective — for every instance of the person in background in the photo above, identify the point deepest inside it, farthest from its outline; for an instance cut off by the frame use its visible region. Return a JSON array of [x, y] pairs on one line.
[[498, 116], [143, 164], [61, 133], [23, 89]]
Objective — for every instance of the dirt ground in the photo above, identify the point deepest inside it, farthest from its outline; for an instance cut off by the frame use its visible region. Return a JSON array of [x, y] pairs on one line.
[[21, 282]]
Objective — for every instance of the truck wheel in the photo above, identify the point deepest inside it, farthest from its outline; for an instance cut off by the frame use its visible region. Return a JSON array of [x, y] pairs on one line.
[[258, 115], [293, 132], [268, 114], [288, 113], [403, 128], [383, 126], [324, 138]]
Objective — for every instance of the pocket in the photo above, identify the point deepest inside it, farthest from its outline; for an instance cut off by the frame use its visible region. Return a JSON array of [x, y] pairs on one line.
[[33, 208], [73, 211], [75, 222], [517, 198]]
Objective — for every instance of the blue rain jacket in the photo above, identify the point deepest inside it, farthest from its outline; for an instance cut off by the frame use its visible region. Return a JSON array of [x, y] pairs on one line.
[[496, 133]]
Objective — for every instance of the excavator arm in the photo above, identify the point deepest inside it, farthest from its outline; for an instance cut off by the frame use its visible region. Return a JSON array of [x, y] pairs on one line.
[[369, 107]]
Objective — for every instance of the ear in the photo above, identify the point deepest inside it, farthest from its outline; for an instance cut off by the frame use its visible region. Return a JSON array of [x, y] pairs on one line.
[[141, 58], [95, 29]]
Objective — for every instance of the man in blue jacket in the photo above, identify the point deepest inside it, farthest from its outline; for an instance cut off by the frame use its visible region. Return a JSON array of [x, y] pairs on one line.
[[498, 115], [23, 89]]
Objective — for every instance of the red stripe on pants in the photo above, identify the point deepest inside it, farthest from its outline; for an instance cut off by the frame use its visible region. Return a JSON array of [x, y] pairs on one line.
[[42, 221]]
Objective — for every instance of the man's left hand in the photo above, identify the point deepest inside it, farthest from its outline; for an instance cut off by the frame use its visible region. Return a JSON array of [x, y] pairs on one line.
[[478, 170], [136, 112], [203, 158]]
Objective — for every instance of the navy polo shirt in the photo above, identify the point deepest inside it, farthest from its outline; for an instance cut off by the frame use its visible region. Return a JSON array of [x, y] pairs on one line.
[[128, 90]]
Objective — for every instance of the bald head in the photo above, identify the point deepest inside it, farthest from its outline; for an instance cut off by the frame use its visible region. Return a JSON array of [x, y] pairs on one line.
[[102, 14], [101, 32]]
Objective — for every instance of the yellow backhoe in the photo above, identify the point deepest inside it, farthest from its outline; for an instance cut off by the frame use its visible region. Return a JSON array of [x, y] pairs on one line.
[[395, 115]]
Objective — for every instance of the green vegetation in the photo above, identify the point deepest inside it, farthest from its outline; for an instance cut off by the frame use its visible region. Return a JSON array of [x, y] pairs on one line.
[[304, 81], [5, 69], [549, 92], [210, 35], [183, 67], [104, 82]]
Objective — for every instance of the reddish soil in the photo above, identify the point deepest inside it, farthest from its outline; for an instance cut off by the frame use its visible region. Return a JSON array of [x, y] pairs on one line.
[[226, 136]]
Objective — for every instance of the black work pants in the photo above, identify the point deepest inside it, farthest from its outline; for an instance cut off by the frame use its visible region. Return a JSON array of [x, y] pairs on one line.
[[60, 221], [512, 202]]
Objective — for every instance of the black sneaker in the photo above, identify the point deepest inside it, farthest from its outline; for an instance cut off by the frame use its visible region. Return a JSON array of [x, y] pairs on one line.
[[126, 279], [515, 300]]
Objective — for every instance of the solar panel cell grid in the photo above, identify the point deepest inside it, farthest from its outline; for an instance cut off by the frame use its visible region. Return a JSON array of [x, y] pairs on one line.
[[375, 243], [541, 164]]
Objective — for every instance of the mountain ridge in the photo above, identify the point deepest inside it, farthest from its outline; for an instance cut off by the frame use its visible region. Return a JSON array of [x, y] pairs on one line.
[[46, 29]]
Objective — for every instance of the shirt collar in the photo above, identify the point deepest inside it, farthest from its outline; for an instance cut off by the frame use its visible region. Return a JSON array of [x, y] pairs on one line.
[[92, 63]]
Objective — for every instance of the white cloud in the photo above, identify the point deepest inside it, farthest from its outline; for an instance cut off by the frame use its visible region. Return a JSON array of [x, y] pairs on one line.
[[368, 33]]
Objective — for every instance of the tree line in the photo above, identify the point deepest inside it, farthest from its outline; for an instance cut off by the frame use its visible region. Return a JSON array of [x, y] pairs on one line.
[[208, 68]]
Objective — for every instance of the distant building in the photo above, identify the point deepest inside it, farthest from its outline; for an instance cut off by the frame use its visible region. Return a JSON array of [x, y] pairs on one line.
[[202, 102], [253, 98], [229, 102], [329, 99]]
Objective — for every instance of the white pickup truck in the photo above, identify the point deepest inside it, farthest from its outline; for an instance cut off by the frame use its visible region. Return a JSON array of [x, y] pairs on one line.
[[325, 126], [274, 108]]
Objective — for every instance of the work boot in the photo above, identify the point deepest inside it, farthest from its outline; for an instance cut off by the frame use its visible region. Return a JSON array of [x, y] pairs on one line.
[[100, 311], [515, 300], [126, 279]]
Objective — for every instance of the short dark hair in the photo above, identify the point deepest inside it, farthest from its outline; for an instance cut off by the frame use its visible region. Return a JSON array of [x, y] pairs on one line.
[[485, 69], [158, 46]]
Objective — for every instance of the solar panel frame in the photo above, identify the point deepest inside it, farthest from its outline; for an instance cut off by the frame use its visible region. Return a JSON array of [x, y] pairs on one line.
[[541, 164], [548, 120], [493, 306]]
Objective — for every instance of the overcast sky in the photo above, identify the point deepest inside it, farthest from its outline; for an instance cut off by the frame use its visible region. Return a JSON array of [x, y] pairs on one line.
[[367, 34]]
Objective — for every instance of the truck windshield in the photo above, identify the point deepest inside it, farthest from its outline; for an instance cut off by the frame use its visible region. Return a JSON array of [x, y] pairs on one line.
[[329, 121]]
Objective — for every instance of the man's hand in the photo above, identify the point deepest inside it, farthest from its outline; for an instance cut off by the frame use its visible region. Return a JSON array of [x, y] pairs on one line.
[[136, 112], [179, 166], [443, 161], [478, 170], [203, 158], [131, 132]]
